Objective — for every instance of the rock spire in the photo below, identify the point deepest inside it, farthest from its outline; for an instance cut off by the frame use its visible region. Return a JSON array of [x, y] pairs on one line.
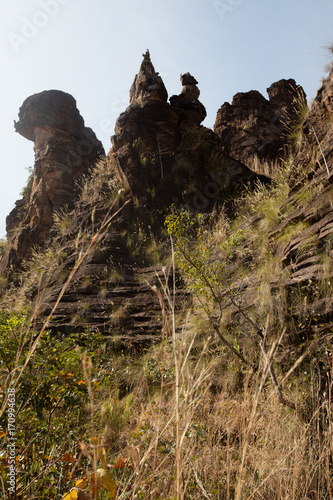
[[147, 85], [187, 102]]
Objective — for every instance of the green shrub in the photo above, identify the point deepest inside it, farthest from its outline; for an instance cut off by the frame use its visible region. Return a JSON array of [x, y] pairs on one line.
[[51, 396]]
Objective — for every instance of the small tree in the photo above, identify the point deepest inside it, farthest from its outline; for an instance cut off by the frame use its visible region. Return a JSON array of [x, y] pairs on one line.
[[206, 274]]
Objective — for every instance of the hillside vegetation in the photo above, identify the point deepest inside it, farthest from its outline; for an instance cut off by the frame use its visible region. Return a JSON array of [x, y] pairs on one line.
[[228, 394]]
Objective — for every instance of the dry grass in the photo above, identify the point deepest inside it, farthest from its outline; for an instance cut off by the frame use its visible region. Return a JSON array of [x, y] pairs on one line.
[[202, 424], [212, 428], [241, 444], [186, 419], [271, 169]]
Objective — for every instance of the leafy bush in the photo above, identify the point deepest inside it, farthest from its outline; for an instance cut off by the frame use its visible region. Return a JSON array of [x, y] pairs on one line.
[[51, 398]]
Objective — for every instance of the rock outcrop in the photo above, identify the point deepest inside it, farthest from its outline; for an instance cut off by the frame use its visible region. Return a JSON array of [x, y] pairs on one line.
[[309, 254], [302, 240], [254, 127], [162, 152], [64, 152], [315, 148], [187, 104], [146, 134], [148, 86]]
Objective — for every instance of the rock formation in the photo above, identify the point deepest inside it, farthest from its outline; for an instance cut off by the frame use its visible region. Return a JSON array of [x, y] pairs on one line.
[[64, 152], [147, 85], [309, 255], [303, 237], [315, 137], [254, 127], [248, 314], [187, 104], [162, 152], [146, 134]]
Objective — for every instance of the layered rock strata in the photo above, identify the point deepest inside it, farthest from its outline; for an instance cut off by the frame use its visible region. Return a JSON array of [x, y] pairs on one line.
[[161, 154], [309, 253]]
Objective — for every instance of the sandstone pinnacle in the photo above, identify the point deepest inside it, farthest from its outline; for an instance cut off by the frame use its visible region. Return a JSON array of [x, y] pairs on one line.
[[147, 85]]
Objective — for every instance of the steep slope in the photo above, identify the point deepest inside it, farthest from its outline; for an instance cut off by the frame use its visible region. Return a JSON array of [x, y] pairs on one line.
[[308, 256], [253, 128], [224, 392], [160, 155]]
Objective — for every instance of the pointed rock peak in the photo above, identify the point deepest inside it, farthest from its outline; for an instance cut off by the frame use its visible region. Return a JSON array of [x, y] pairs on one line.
[[146, 56], [286, 93], [188, 79], [147, 85], [146, 65]]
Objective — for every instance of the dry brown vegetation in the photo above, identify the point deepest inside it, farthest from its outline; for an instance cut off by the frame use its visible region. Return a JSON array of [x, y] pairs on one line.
[[184, 418]]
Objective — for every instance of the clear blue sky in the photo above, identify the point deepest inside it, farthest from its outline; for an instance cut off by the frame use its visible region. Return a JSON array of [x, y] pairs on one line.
[[93, 49]]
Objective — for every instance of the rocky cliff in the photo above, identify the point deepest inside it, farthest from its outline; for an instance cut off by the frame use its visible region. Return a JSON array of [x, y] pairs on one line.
[[162, 152], [203, 367], [65, 150], [160, 155], [309, 256], [299, 227], [253, 127]]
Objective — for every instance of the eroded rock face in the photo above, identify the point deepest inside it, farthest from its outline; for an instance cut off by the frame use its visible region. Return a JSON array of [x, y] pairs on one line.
[[64, 151], [187, 104], [163, 153], [146, 134], [147, 85], [253, 126], [308, 256]]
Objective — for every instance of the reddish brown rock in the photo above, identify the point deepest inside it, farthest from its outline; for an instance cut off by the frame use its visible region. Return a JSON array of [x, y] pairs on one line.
[[187, 104], [254, 127], [64, 151], [315, 148], [308, 256], [163, 153], [147, 85], [146, 134]]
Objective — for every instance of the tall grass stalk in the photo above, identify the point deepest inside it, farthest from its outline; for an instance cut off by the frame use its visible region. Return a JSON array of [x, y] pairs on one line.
[[174, 344], [266, 370], [321, 150], [83, 253]]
